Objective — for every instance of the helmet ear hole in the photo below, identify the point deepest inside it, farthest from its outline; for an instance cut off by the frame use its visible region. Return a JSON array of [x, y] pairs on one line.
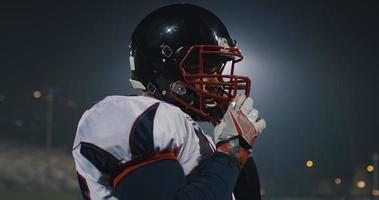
[[178, 89]]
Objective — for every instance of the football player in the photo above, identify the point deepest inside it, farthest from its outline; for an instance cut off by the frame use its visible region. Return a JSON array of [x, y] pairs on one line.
[[151, 147]]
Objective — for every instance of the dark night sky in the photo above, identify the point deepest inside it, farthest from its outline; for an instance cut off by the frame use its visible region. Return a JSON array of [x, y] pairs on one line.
[[314, 67]]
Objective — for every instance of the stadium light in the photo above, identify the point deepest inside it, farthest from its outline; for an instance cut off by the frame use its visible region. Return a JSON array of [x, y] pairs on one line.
[[361, 184], [309, 163], [370, 168], [338, 181], [37, 94]]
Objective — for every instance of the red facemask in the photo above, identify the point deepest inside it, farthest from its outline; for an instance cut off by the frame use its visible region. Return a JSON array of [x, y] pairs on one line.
[[214, 89]]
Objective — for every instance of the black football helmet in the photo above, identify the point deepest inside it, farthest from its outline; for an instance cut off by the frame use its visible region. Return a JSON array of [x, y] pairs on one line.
[[179, 54]]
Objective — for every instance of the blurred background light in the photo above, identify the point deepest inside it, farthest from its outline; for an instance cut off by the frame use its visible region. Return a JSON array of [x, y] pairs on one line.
[[309, 163], [37, 94], [361, 184], [337, 181], [370, 168]]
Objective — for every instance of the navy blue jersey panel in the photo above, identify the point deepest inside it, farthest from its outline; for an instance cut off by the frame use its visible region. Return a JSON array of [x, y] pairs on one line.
[[101, 159], [83, 187], [247, 186], [159, 181], [216, 179], [141, 139], [165, 180], [205, 148]]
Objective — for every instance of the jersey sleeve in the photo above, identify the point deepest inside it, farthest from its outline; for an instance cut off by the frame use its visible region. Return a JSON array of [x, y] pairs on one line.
[[247, 185], [162, 132], [165, 180], [102, 143], [121, 135]]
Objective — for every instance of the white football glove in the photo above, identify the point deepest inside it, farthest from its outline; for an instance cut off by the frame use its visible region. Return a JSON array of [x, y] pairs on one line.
[[239, 127]]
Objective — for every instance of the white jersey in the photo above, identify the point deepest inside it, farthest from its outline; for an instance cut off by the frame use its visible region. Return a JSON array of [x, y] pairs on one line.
[[122, 130]]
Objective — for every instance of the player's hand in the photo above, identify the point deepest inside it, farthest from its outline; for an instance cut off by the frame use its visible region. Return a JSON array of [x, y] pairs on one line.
[[239, 127]]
